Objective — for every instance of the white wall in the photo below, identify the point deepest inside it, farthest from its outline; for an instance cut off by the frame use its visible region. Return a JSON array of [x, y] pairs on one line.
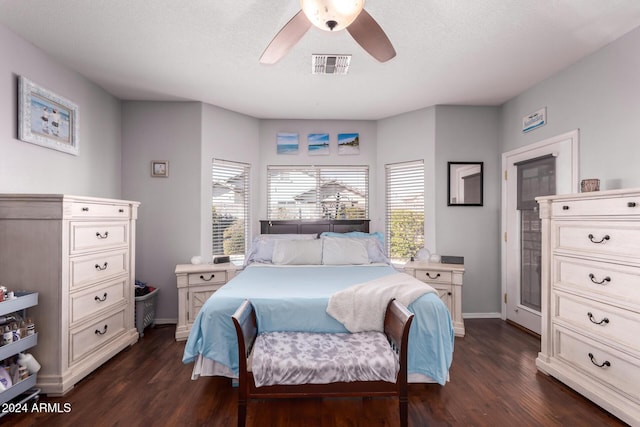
[[405, 138], [470, 134], [169, 216], [268, 155], [599, 96], [29, 168], [230, 136]]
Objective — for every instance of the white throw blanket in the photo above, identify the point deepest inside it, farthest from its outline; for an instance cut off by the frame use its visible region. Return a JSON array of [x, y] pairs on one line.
[[362, 307]]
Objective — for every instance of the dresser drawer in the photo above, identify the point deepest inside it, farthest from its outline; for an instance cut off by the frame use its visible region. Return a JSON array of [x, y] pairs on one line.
[[84, 341], [87, 236], [629, 205], [90, 269], [87, 303], [214, 277], [617, 369], [99, 210], [607, 321], [613, 282], [599, 238], [433, 276]]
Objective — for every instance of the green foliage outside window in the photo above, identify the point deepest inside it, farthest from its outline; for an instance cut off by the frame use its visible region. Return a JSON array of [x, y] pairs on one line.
[[406, 233]]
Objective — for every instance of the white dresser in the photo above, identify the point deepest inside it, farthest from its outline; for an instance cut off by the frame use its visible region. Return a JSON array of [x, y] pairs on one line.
[[196, 283], [447, 280], [78, 253], [591, 297]]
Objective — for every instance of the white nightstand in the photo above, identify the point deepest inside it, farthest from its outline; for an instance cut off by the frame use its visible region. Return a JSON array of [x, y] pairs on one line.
[[196, 283], [447, 280]]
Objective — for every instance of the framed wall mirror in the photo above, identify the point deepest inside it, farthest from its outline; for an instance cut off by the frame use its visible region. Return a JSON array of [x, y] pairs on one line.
[[465, 184]]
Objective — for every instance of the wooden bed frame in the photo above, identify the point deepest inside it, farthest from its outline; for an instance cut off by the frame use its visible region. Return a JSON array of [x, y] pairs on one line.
[[311, 226], [396, 327]]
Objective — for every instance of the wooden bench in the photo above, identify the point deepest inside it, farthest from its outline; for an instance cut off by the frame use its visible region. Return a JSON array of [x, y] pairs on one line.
[[396, 327]]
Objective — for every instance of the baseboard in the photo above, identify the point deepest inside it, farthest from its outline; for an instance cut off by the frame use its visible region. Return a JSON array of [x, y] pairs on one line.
[[166, 321], [481, 315]]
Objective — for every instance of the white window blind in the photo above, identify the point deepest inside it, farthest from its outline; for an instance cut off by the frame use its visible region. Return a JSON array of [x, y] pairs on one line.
[[404, 209], [317, 192], [230, 208]]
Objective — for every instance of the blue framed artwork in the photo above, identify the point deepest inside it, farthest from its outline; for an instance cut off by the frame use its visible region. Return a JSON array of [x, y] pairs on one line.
[[348, 143], [318, 144], [287, 143]]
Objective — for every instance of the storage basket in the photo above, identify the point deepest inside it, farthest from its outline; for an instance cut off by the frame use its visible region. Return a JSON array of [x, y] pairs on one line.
[[146, 311]]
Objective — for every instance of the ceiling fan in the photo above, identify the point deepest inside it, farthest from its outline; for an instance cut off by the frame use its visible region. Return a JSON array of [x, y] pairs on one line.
[[331, 15]]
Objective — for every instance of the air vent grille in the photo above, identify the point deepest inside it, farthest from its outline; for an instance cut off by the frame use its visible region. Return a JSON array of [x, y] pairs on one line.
[[330, 64]]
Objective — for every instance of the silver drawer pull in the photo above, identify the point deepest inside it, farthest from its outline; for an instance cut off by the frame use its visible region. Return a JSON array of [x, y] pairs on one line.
[[590, 316], [606, 237], [104, 266], [210, 278], [599, 365], [607, 279], [104, 298], [104, 330], [102, 236], [432, 277]]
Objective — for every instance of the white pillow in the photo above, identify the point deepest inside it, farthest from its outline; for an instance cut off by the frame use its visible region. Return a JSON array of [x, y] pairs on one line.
[[263, 244], [297, 252], [344, 250]]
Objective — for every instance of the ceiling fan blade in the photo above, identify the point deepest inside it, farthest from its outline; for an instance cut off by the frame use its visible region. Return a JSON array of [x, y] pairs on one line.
[[366, 31], [286, 38]]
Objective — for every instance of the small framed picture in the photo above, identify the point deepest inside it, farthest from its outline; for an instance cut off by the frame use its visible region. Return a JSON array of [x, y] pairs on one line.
[[160, 168]]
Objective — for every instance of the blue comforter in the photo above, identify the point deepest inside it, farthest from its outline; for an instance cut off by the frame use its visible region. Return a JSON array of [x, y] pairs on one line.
[[295, 299]]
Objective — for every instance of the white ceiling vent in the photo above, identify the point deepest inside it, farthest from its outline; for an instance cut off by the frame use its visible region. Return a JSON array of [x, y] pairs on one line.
[[330, 64]]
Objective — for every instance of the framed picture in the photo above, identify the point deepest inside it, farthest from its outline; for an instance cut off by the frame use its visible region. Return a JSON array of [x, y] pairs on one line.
[[287, 143], [318, 144], [348, 143], [46, 119], [160, 168]]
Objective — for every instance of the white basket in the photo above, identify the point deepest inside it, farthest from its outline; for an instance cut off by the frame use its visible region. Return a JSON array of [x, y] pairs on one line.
[[146, 311]]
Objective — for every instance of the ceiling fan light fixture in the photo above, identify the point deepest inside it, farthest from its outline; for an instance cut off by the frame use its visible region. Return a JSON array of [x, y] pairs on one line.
[[332, 15]]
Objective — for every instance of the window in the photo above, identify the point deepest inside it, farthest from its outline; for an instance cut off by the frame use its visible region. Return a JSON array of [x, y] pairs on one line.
[[230, 208], [404, 209], [317, 192]]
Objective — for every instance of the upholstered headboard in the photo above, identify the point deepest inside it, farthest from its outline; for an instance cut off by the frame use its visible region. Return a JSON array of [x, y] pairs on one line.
[[292, 226]]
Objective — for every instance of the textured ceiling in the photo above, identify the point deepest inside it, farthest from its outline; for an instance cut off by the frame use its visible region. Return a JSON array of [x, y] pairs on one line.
[[463, 52]]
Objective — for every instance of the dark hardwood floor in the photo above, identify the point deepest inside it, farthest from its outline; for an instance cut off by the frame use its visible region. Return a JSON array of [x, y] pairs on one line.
[[494, 382]]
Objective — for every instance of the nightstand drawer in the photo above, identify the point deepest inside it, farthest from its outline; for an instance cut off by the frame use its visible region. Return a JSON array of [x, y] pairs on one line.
[[86, 303], [87, 236], [208, 278], [433, 276]]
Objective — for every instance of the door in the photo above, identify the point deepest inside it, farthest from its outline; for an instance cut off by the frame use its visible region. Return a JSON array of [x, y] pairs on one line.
[[546, 167]]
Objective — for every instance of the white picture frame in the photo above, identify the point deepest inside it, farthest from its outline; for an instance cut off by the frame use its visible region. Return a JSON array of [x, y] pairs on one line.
[[47, 119]]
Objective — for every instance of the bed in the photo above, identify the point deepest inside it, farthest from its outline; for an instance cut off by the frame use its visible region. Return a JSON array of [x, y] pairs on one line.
[[294, 294]]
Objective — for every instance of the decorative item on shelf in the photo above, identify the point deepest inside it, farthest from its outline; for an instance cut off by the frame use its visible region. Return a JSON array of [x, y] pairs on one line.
[[588, 185], [196, 260], [434, 258], [423, 255], [449, 259], [221, 259]]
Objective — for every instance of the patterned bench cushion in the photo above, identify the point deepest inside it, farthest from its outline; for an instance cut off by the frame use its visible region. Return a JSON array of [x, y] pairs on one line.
[[316, 358]]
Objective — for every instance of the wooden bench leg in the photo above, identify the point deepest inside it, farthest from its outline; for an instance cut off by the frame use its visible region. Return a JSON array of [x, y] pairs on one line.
[[404, 411], [242, 412]]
